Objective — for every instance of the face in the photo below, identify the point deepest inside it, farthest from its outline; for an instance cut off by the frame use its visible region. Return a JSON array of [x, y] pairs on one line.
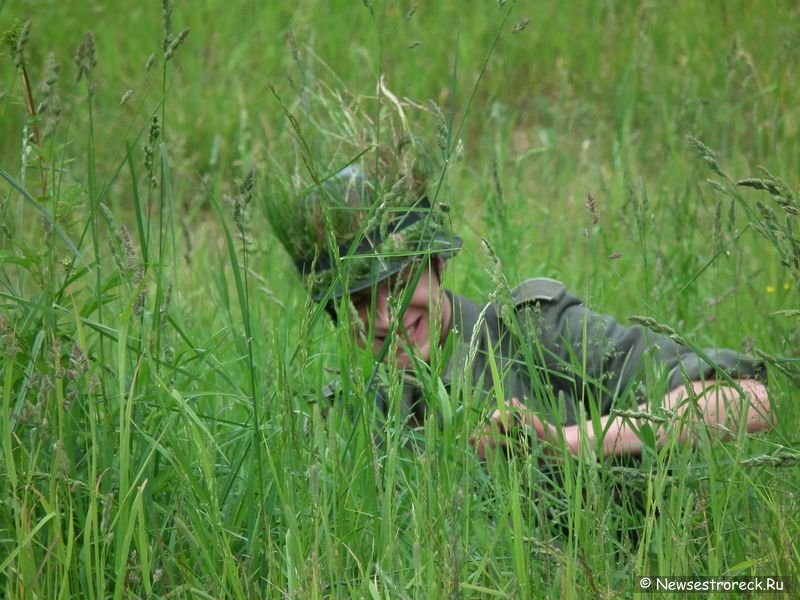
[[427, 308]]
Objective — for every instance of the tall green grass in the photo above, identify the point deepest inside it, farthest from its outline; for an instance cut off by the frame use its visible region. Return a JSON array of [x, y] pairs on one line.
[[162, 429]]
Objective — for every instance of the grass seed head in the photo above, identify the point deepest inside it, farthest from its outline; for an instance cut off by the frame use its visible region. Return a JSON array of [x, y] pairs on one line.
[[86, 57], [460, 150], [149, 149], [9, 39], [132, 263], [494, 268], [591, 209], [9, 346], [175, 44], [657, 327], [775, 187], [78, 363], [246, 187], [51, 73], [707, 154], [499, 204], [521, 25], [639, 202], [441, 126], [45, 387], [22, 40], [51, 101], [125, 97], [166, 21], [293, 46], [242, 200], [154, 132], [115, 240], [718, 187]]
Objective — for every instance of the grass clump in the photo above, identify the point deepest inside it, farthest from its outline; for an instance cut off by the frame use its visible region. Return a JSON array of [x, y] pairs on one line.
[[163, 430]]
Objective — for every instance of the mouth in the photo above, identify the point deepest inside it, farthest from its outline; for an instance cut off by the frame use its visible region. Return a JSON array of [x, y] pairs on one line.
[[404, 332]]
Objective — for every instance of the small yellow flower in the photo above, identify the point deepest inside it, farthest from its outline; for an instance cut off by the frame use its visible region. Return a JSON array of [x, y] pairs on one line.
[[770, 289], [786, 286]]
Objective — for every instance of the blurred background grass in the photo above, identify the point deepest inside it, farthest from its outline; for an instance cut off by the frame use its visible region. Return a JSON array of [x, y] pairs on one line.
[[576, 98], [582, 97]]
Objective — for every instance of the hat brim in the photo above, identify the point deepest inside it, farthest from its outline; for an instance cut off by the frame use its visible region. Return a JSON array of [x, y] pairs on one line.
[[384, 266]]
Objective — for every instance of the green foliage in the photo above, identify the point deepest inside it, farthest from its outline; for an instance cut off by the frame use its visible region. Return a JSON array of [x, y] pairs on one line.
[[162, 425]]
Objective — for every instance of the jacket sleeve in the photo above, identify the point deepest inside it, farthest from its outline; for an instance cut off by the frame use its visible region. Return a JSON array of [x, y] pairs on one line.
[[586, 354]]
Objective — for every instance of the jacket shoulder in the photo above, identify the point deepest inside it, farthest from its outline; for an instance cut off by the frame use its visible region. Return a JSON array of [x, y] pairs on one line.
[[538, 290]]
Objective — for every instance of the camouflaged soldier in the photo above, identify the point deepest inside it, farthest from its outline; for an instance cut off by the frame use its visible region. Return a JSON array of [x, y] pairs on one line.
[[370, 233]]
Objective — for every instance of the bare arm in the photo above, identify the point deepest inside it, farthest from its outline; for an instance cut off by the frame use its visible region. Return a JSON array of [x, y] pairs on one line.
[[719, 405]]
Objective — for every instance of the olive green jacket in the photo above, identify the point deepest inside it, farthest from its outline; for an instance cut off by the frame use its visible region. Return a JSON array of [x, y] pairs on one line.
[[551, 352]]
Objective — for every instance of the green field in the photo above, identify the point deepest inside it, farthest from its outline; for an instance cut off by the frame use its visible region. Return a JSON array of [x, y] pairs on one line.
[[162, 428]]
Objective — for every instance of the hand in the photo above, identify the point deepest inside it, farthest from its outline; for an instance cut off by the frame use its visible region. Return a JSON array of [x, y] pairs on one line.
[[515, 421]]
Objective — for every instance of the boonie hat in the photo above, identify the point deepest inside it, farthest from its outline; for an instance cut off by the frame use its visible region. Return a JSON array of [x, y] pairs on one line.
[[362, 222]]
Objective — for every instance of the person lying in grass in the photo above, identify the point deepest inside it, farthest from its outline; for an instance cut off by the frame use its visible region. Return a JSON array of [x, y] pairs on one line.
[[372, 242]]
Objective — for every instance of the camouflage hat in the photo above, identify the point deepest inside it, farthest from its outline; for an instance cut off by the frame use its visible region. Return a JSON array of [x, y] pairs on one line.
[[361, 223]]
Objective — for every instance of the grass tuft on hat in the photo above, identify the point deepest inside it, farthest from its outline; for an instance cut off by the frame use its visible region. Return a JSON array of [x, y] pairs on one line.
[[357, 202]]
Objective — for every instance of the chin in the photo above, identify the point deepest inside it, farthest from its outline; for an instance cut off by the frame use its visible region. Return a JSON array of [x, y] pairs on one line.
[[421, 352]]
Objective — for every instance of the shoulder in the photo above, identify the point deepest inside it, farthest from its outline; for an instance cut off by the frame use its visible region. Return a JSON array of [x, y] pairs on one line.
[[537, 291], [543, 304]]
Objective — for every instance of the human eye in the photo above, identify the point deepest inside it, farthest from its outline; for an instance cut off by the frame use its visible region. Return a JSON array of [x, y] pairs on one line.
[[360, 299]]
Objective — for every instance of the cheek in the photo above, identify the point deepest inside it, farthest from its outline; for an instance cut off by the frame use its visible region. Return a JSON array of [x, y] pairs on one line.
[[424, 331], [424, 303], [421, 300]]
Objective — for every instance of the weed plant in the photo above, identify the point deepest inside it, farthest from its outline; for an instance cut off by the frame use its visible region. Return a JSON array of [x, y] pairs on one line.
[[163, 427]]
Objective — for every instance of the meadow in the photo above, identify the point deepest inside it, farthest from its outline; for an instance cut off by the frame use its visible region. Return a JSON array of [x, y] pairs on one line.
[[162, 427]]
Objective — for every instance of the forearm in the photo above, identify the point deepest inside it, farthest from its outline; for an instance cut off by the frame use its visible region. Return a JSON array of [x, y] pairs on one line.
[[719, 405]]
